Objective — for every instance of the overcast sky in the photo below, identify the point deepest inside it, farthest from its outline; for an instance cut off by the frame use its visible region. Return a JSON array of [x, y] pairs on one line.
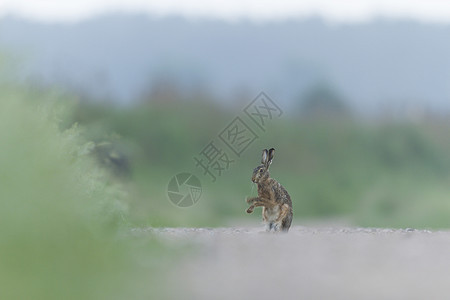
[[232, 10]]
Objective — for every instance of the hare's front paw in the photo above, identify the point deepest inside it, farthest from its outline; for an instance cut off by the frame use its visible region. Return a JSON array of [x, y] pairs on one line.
[[250, 209], [251, 200]]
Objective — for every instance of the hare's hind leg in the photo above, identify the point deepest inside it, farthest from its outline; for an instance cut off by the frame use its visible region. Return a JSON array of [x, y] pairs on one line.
[[284, 219], [269, 225], [287, 220], [286, 223]]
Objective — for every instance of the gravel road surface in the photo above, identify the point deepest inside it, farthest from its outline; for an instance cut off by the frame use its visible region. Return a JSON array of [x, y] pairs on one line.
[[310, 263]]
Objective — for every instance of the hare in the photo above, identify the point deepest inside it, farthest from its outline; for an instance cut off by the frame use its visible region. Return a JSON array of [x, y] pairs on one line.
[[272, 196]]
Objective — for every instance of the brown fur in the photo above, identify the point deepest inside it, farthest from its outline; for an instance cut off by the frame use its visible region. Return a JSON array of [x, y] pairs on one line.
[[272, 196]]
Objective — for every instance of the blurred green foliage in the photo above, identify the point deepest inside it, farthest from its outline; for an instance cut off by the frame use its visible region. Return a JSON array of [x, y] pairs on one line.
[[62, 216]]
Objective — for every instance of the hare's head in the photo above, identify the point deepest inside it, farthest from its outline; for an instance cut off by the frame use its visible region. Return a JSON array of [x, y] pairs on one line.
[[261, 172]]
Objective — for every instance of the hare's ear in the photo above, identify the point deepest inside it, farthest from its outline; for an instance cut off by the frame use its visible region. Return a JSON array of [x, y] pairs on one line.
[[265, 156], [271, 153]]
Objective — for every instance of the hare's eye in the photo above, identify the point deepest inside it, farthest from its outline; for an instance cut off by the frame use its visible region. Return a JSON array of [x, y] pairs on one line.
[[260, 170]]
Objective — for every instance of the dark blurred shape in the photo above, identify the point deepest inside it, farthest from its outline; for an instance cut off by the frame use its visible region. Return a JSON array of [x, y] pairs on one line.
[[113, 156]]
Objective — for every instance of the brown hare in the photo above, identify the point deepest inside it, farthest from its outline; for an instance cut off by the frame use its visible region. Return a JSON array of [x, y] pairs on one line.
[[272, 196]]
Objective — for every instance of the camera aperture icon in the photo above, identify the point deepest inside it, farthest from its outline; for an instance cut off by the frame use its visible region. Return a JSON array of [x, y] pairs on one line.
[[184, 189]]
